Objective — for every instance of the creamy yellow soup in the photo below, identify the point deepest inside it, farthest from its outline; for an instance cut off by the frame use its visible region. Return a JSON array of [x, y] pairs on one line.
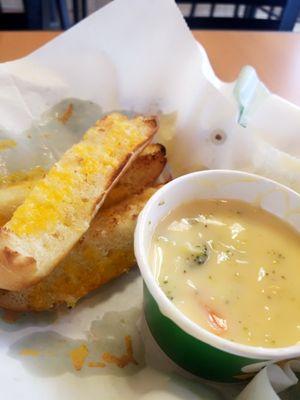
[[232, 268]]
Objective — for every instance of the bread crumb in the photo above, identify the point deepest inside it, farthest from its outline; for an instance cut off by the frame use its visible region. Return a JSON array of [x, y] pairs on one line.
[[93, 364], [78, 356], [67, 114], [125, 359]]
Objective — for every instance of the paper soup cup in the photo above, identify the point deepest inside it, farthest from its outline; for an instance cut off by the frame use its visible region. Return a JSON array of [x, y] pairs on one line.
[[188, 344]]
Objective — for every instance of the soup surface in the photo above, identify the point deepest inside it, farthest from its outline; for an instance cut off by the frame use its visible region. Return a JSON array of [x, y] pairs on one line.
[[232, 268]]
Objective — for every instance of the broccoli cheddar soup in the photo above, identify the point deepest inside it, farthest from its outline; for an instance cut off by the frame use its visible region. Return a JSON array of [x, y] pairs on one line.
[[232, 268]]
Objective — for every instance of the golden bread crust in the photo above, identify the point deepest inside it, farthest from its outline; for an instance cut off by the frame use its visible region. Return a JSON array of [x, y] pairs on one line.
[[15, 268]]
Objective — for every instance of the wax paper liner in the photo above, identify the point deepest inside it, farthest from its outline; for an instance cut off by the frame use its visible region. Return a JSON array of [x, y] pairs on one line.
[[139, 56]]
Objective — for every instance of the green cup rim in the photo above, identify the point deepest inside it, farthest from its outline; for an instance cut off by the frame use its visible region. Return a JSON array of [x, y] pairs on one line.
[[141, 248]]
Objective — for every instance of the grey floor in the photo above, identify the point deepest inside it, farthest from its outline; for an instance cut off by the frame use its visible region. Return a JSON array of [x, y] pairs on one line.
[[221, 10]]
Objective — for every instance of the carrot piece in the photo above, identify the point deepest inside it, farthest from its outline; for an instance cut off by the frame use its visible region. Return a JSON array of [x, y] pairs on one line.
[[218, 323]]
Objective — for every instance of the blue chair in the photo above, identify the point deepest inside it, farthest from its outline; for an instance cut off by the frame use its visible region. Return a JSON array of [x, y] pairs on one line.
[[54, 14], [38, 15], [285, 21]]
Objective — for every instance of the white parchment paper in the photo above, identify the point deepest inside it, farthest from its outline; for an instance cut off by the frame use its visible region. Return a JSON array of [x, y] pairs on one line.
[[139, 56]]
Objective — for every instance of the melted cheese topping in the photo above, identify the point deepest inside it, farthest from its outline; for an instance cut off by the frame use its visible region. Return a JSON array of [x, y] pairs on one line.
[[7, 144], [63, 193], [22, 176]]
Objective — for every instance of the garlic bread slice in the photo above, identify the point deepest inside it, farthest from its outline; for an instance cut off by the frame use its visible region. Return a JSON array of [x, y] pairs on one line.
[[103, 253], [143, 172], [61, 206]]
